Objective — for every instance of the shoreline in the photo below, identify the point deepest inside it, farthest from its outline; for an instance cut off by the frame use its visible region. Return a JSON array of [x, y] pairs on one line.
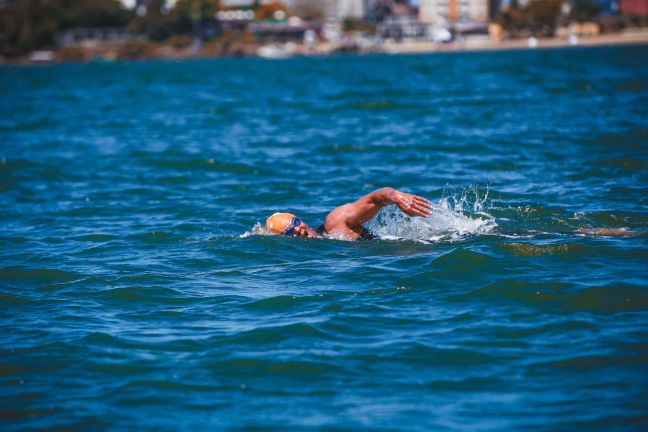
[[611, 39], [324, 49]]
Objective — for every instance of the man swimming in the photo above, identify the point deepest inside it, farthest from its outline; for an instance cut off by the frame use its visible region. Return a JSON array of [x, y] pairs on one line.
[[346, 221]]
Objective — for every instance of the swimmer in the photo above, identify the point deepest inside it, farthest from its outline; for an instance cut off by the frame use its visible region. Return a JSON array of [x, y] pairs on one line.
[[346, 221]]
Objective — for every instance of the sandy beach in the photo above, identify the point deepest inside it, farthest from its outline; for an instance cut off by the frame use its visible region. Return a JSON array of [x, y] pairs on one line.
[[111, 51], [639, 36]]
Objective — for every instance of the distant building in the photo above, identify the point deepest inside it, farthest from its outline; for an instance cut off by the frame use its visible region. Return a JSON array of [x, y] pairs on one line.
[[277, 32], [341, 9], [137, 4], [237, 20], [93, 35], [402, 23], [634, 7], [400, 27], [450, 11]]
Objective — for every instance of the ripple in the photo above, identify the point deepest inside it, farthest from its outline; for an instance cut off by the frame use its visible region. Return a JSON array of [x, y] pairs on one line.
[[378, 105], [251, 367], [530, 250], [467, 385], [434, 356], [276, 334], [95, 238], [41, 275], [588, 362], [281, 303], [132, 295], [607, 299], [127, 287]]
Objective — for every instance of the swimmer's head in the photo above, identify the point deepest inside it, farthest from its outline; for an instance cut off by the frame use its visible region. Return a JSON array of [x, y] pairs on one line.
[[289, 225]]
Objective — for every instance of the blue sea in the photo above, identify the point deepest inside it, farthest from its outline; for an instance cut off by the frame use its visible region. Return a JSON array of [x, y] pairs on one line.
[[139, 291]]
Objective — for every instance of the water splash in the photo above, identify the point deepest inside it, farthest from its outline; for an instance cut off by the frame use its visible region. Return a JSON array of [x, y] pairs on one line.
[[450, 219], [456, 215], [257, 229], [466, 199]]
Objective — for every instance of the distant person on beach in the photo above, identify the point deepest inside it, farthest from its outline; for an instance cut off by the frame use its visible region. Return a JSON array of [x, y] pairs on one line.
[[346, 220]]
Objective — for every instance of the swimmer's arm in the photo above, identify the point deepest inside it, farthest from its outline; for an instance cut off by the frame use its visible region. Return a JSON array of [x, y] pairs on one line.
[[367, 207]]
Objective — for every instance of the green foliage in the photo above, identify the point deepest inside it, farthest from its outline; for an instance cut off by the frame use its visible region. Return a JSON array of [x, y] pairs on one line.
[[538, 18], [583, 10], [156, 23], [160, 24], [184, 10], [92, 13], [26, 25]]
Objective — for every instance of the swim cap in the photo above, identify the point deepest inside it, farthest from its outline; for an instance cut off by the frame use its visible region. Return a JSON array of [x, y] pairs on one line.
[[279, 222]]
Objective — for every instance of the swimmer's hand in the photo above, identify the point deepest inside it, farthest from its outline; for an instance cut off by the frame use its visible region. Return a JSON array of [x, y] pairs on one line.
[[304, 230], [412, 205]]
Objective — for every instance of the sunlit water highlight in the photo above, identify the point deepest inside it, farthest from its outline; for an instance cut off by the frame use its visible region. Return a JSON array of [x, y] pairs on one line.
[[135, 294], [446, 222]]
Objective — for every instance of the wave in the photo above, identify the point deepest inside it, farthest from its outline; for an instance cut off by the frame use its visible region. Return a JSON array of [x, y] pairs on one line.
[[610, 298]]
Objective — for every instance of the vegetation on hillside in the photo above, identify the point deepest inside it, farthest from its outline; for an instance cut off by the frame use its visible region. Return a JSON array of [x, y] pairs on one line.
[[26, 25]]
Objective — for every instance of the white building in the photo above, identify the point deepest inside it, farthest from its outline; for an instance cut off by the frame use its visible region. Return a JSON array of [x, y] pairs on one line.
[[129, 4], [341, 9], [132, 4], [447, 11]]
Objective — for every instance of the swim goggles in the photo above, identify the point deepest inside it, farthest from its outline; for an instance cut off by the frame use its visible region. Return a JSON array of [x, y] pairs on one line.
[[291, 229]]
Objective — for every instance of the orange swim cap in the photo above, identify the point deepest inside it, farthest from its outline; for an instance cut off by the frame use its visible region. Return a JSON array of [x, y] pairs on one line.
[[279, 222]]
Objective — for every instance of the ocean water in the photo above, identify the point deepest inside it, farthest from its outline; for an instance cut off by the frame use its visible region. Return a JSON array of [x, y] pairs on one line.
[[137, 294]]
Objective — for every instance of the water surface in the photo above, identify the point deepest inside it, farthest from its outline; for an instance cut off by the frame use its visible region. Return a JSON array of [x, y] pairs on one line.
[[134, 294]]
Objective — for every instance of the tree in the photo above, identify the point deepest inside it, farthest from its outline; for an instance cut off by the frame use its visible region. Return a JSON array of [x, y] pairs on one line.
[[26, 25], [538, 17], [583, 10], [267, 11], [543, 15], [91, 13], [159, 23]]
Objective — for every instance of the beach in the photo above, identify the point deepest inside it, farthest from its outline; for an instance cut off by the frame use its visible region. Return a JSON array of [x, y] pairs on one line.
[[139, 50], [638, 37]]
